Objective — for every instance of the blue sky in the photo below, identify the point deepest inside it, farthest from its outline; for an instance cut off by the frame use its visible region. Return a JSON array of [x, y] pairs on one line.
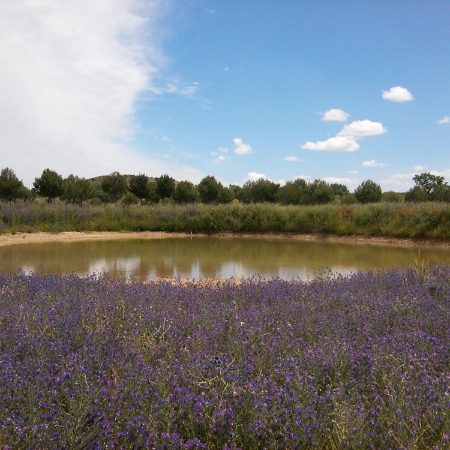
[[339, 90]]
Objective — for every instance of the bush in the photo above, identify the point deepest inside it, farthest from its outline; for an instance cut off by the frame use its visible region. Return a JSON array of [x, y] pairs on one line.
[[368, 192]]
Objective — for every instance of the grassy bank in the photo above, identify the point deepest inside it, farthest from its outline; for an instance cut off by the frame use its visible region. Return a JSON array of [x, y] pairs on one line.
[[427, 220], [340, 363]]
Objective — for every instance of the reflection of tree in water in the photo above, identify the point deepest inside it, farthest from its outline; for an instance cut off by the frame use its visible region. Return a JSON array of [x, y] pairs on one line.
[[207, 256]]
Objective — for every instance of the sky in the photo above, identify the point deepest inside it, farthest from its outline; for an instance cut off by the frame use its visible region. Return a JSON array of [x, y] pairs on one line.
[[338, 90]]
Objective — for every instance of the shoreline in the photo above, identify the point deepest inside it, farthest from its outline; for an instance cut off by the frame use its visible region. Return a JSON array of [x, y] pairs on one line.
[[75, 236]]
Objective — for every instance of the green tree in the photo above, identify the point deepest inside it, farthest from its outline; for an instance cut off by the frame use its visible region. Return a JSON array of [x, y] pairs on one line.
[[115, 186], [77, 190], [226, 195], [10, 186], [293, 192], [392, 197], [416, 194], [152, 196], [368, 192], [185, 192], [433, 185], [339, 189], [139, 186], [165, 186], [320, 193], [50, 184], [260, 191], [236, 190], [348, 199], [209, 189]]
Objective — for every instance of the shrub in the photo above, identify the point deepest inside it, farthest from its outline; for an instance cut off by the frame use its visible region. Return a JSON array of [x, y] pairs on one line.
[[368, 192]]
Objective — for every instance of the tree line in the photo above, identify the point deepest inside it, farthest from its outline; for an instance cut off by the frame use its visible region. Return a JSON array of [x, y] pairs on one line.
[[134, 189]]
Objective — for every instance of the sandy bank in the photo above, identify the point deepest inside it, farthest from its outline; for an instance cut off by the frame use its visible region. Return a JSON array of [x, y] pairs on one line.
[[72, 236]]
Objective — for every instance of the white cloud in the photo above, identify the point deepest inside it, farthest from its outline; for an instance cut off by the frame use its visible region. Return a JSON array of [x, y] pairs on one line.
[[301, 177], [419, 168], [221, 159], [253, 176], [446, 119], [335, 144], [335, 114], [353, 171], [71, 74], [398, 94], [177, 86], [361, 128], [223, 150], [349, 182], [372, 163], [291, 158], [241, 148], [402, 176]]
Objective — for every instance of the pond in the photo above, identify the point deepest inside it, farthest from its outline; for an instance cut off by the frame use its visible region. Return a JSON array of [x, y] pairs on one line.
[[211, 257]]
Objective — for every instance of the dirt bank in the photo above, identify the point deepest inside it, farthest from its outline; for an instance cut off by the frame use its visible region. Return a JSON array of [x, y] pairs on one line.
[[72, 236]]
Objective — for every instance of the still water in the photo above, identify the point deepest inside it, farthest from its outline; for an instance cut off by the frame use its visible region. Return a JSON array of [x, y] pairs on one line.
[[210, 257]]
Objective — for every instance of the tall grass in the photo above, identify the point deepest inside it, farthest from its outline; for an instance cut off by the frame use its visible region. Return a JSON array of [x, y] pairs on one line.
[[427, 220]]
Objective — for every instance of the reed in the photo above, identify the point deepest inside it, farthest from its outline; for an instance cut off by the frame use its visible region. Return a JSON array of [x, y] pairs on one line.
[[426, 220]]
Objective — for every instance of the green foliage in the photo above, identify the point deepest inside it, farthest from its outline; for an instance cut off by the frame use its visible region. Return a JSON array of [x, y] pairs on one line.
[[115, 186], [49, 184], [165, 186], [348, 199], [368, 192], [339, 189], [77, 190], [11, 188], [259, 191], [226, 195], [293, 192], [129, 199], [299, 192], [392, 197], [319, 193], [185, 192], [432, 185], [416, 195], [429, 220], [152, 196], [236, 190], [209, 189], [139, 186]]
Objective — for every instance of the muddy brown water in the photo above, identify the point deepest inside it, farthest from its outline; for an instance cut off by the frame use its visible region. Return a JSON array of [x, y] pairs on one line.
[[211, 257]]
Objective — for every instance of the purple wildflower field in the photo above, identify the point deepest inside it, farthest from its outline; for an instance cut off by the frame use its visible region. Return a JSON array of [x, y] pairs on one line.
[[339, 363]]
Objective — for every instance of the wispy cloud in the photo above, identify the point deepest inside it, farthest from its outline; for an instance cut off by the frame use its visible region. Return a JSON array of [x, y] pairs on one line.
[[398, 94], [335, 144], [291, 159], [420, 168], [445, 119], [335, 115], [221, 158], [372, 163], [71, 74], [241, 148]]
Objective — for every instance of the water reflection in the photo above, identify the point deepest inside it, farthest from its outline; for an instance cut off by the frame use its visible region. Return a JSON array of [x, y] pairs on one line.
[[209, 258]]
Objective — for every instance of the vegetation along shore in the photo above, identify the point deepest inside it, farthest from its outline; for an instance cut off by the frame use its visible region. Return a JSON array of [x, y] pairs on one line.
[[128, 203]]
